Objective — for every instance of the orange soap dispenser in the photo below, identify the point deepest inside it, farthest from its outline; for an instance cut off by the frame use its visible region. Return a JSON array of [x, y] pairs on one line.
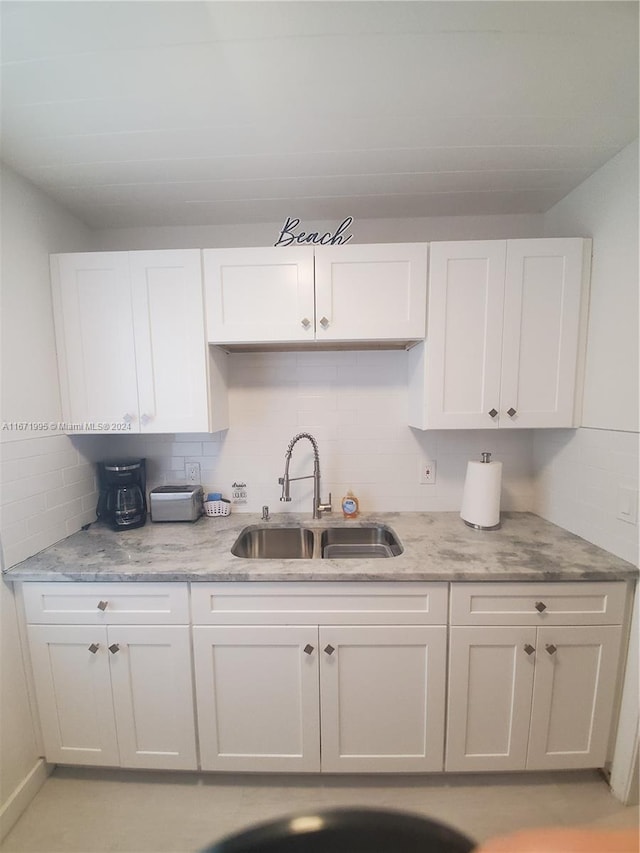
[[350, 505]]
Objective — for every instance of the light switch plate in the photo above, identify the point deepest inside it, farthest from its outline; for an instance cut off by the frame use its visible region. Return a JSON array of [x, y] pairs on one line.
[[627, 504]]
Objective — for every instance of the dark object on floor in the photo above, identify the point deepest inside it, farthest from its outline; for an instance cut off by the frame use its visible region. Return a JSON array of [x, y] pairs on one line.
[[347, 831]]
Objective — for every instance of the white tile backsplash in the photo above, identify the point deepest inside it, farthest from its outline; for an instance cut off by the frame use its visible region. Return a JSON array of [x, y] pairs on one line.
[[355, 404], [48, 491], [578, 474]]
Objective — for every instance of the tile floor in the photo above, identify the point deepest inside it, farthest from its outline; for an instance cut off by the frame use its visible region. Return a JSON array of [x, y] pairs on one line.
[[90, 811]]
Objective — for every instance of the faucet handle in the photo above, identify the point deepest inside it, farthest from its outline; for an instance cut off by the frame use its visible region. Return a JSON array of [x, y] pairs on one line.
[[325, 507], [285, 489]]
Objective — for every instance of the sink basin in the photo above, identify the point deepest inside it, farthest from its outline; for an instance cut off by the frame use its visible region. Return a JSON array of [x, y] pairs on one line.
[[270, 542], [274, 543], [374, 540]]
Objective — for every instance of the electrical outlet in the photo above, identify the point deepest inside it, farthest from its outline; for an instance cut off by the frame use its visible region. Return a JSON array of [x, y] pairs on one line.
[[427, 472], [192, 473]]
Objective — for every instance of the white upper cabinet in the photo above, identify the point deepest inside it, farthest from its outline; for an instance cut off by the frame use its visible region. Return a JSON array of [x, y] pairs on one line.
[[94, 337], [375, 292], [259, 295], [505, 335], [132, 352], [330, 293]]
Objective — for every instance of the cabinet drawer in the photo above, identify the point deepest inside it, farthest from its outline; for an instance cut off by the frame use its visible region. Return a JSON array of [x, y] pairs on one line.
[[577, 603], [344, 603], [106, 603]]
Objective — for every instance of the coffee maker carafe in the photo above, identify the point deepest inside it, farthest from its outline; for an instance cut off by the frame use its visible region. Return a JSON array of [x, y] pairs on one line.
[[122, 502]]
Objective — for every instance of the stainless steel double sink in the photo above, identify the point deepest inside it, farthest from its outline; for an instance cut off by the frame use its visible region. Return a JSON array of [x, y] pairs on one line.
[[272, 542]]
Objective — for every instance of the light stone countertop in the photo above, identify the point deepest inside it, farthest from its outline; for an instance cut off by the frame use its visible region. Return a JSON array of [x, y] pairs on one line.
[[437, 547]]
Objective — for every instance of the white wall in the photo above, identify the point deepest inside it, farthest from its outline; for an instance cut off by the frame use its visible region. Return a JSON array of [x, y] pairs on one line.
[[579, 473], [605, 207], [363, 231], [44, 483]]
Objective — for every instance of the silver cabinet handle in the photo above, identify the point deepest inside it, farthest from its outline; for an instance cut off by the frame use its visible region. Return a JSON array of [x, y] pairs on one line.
[[329, 649], [102, 605], [540, 606], [127, 418], [308, 649], [493, 412], [146, 419], [551, 649], [114, 648], [93, 648], [306, 322], [511, 412], [529, 649], [324, 322]]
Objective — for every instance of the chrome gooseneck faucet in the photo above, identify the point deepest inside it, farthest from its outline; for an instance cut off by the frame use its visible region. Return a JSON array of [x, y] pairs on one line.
[[318, 506]]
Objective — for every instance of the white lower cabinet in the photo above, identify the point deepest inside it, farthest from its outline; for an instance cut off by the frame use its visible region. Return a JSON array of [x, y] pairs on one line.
[[382, 697], [334, 677], [257, 697], [331, 697], [113, 694], [538, 695]]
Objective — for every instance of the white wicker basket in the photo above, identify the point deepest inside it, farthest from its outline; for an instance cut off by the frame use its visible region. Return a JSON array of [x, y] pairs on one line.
[[217, 508]]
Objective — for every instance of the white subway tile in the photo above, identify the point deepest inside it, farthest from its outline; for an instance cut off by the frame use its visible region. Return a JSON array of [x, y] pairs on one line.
[[29, 486], [34, 447], [186, 448], [21, 510], [69, 493], [76, 522], [54, 519], [85, 472], [17, 469], [14, 533]]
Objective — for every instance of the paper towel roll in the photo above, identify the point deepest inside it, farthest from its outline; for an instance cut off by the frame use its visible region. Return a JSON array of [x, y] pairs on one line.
[[481, 496]]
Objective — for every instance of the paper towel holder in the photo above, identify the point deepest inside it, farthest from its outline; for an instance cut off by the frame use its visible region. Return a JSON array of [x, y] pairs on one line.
[[486, 458]]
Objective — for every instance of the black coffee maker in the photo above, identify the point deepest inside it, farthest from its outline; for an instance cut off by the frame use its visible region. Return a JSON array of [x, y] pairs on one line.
[[122, 501]]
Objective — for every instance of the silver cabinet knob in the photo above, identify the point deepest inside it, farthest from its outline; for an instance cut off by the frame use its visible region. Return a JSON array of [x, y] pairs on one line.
[[145, 419], [102, 605], [551, 649], [324, 322], [308, 649], [306, 322], [93, 648], [540, 606], [529, 649], [114, 648], [127, 418], [493, 412], [329, 649], [511, 412]]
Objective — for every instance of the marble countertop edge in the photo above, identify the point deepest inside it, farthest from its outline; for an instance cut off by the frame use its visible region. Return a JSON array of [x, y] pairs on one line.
[[437, 547]]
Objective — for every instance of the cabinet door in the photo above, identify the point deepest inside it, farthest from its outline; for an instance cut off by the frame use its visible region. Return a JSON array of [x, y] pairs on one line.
[[575, 681], [490, 687], [259, 295], [371, 292], [257, 697], [171, 357], [73, 687], [94, 339], [382, 698], [464, 334], [153, 696], [545, 280]]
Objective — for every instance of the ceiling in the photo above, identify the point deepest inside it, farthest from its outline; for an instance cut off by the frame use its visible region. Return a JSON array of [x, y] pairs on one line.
[[194, 113]]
